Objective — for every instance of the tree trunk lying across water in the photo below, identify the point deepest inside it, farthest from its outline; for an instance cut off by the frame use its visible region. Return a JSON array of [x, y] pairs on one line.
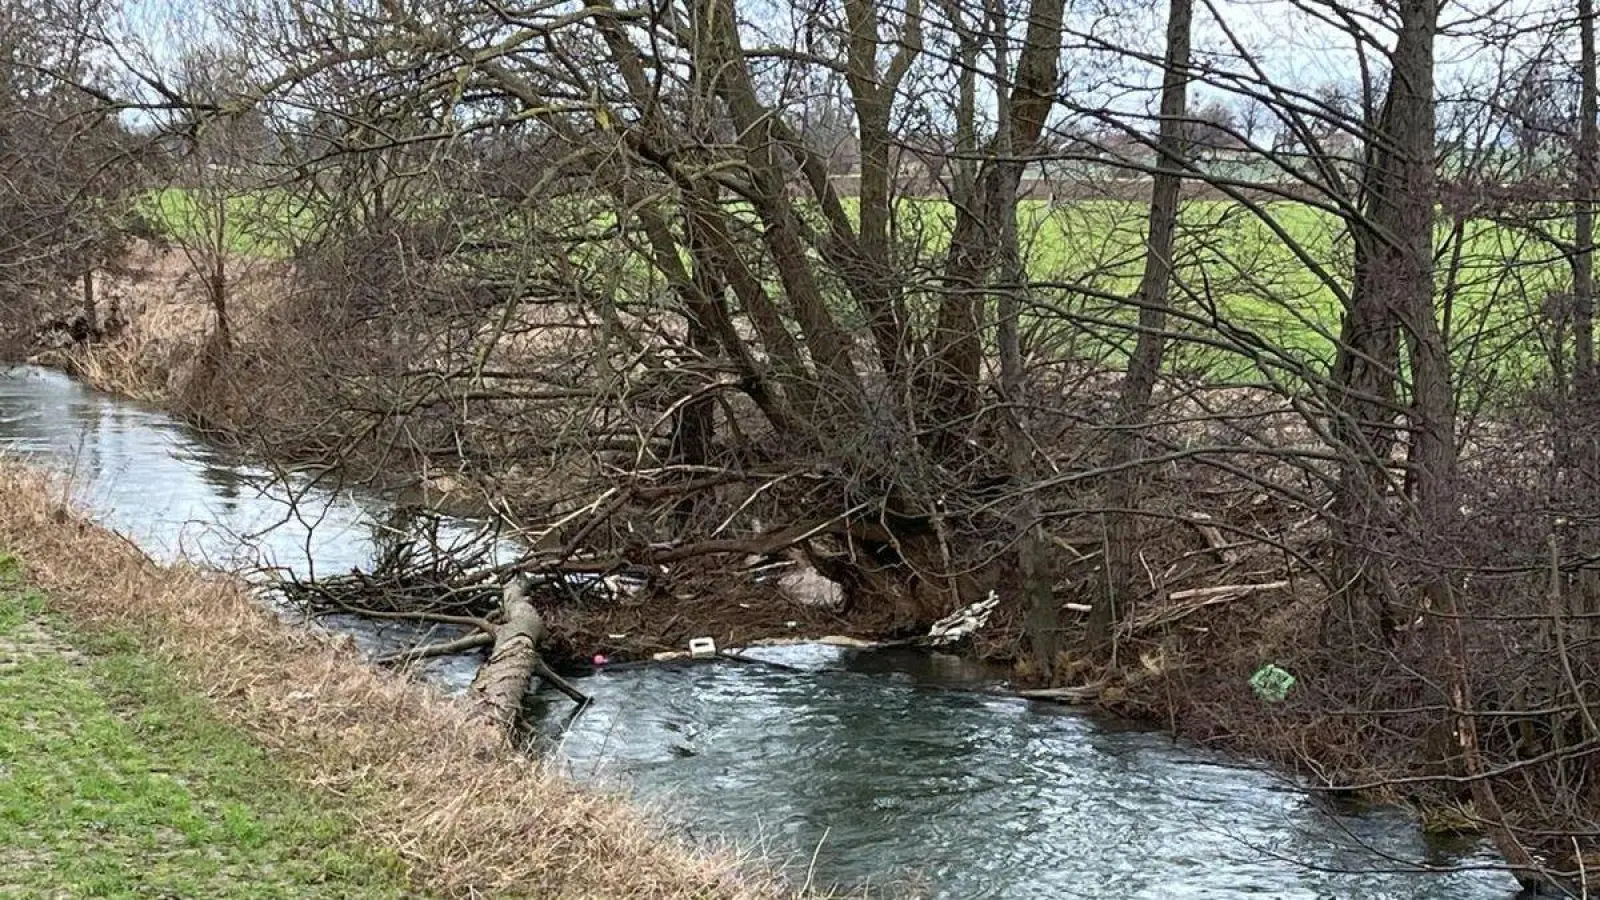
[[508, 674]]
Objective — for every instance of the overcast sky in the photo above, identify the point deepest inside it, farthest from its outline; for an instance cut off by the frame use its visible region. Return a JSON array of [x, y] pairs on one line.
[[1294, 43]]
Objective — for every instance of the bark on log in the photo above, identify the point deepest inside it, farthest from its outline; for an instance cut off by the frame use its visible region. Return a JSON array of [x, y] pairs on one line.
[[514, 662]]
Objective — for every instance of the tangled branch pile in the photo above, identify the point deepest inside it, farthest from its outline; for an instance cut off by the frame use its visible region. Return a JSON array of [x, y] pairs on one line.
[[691, 285]]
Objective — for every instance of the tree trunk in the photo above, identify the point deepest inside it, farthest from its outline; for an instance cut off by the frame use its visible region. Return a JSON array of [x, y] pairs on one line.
[[1123, 497], [874, 93], [1431, 457], [964, 164], [1363, 430], [512, 665], [1583, 206], [216, 281], [91, 319], [1524, 868], [1042, 617], [694, 424], [951, 379], [765, 157], [1578, 444], [223, 336], [1393, 236]]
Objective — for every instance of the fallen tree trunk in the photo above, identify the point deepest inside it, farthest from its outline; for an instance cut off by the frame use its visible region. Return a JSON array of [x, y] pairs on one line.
[[512, 665]]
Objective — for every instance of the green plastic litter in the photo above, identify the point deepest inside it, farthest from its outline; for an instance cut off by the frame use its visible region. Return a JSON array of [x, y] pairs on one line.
[[1271, 683]]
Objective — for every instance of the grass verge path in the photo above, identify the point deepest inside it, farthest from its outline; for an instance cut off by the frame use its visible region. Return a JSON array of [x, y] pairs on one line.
[[115, 782]]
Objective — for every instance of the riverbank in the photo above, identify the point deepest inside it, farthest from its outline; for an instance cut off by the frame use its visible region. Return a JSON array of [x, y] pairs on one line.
[[1187, 669], [100, 740], [1232, 582], [446, 809]]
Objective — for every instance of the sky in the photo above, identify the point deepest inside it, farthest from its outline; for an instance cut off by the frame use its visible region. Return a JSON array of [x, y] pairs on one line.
[[1292, 42]]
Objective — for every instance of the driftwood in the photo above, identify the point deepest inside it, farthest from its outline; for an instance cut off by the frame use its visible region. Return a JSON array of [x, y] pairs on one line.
[[1225, 551], [1221, 592], [514, 662], [1081, 694], [1181, 604]]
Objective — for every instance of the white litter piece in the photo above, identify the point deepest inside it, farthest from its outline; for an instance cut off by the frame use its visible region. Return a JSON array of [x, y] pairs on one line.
[[960, 624], [623, 586], [702, 647]]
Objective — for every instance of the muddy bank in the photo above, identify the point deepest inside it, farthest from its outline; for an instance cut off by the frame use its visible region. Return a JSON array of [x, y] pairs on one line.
[[623, 620]]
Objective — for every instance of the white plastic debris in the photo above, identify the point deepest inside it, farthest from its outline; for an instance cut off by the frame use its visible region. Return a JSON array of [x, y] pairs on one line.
[[623, 586], [961, 624], [702, 647]]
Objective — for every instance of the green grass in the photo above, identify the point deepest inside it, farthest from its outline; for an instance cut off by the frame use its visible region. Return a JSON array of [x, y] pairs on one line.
[[116, 782], [1232, 268], [1236, 269], [263, 223]]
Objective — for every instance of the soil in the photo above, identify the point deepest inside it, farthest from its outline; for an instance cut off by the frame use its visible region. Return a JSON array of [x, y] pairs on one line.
[[665, 620]]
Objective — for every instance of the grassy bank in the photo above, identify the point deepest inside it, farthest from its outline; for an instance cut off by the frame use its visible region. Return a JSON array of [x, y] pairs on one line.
[[121, 782], [211, 743]]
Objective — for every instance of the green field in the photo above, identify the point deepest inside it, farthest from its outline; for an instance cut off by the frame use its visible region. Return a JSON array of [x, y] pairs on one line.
[[252, 223], [1262, 286], [116, 782], [1244, 295]]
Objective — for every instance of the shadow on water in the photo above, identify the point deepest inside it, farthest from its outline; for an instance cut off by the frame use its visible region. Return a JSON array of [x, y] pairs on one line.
[[855, 767]]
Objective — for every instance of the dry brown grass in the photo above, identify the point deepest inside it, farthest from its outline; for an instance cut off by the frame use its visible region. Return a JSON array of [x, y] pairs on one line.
[[471, 817], [157, 294]]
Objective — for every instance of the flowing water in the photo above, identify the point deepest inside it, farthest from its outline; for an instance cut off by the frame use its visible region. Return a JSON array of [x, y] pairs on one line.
[[892, 770]]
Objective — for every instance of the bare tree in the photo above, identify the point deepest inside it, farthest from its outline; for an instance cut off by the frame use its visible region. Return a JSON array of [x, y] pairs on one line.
[[1588, 144], [1144, 365], [65, 163], [1392, 292]]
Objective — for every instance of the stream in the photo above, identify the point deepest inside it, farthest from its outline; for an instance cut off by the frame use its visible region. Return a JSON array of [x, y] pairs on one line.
[[884, 769]]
